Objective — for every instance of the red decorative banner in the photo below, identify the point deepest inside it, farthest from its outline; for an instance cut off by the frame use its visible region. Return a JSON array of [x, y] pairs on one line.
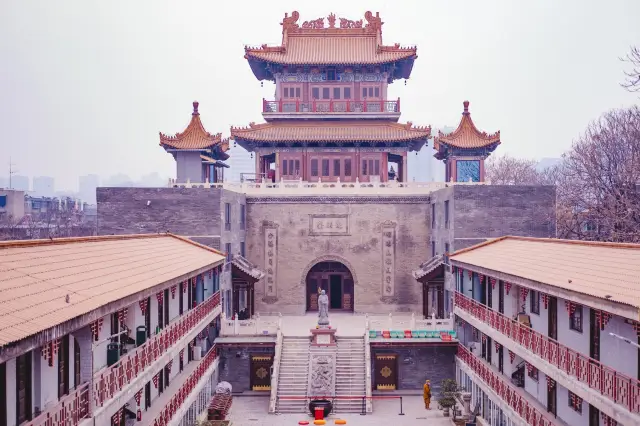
[[470, 273], [550, 383], [545, 300], [524, 292], [138, 396], [184, 286], [181, 353], [159, 297], [512, 356], [211, 273], [507, 286], [484, 339], [169, 365], [498, 346], [155, 380], [571, 307], [493, 282], [173, 291], [481, 277], [143, 306]]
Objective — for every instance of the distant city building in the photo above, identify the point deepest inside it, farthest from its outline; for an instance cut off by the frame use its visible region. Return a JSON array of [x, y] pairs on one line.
[[43, 186], [424, 167], [241, 162], [11, 204], [19, 183], [4, 182], [87, 185]]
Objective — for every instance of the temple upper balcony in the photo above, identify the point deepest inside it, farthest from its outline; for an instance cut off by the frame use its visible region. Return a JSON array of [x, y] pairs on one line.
[[330, 109]]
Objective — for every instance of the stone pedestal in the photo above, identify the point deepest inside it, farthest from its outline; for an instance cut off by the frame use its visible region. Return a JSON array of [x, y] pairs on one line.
[[323, 336]]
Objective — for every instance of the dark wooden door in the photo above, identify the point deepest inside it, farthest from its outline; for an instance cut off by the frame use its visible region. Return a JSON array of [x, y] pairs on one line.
[[76, 363], [594, 416], [147, 317], [489, 349], [161, 303], [489, 293], [63, 367], [386, 372], [181, 298], [147, 396], [501, 359], [261, 372], [166, 307], [23, 388], [594, 335], [335, 292], [553, 318], [501, 297], [312, 294], [552, 399]]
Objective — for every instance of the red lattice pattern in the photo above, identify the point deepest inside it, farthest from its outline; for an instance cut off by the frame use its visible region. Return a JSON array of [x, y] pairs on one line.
[[135, 362], [69, 411], [176, 401], [616, 386], [504, 389]]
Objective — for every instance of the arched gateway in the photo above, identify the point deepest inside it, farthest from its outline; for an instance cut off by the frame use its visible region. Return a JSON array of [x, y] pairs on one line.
[[336, 279]]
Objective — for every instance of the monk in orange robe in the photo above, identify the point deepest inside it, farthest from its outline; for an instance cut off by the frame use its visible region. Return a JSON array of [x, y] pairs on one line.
[[426, 394]]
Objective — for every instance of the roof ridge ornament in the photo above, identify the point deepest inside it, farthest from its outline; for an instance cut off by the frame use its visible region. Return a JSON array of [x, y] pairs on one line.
[[316, 24], [332, 20], [465, 104], [374, 22], [195, 108], [289, 23]]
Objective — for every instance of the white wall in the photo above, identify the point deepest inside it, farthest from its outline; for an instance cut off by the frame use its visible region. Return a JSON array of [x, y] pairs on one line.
[[11, 393], [567, 413], [573, 339], [614, 352], [537, 389], [539, 322], [153, 312], [174, 304], [100, 347], [45, 378]]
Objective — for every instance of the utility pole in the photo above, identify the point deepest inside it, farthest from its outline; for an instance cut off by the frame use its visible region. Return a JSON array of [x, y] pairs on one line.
[[12, 172]]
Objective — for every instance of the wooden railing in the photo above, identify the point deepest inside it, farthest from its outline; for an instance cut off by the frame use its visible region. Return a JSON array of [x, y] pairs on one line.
[[338, 106], [68, 412], [117, 376], [614, 385], [509, 393], [176, 401]]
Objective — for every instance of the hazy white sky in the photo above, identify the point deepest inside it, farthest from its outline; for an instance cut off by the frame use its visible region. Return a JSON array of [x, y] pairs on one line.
[[86, 85]]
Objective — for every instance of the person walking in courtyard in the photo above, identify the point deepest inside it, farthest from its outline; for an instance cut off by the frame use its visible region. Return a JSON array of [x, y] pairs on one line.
[[426, 394]]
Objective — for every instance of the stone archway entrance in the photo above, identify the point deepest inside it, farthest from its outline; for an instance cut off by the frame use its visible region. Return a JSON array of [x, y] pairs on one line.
[[336, 280]]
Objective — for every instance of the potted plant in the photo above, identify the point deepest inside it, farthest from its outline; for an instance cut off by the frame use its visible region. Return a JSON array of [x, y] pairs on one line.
[[448, 396]]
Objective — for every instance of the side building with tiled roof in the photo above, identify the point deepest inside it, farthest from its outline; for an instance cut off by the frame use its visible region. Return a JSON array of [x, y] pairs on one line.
[[549, 329], [331, 119], [106, 330]]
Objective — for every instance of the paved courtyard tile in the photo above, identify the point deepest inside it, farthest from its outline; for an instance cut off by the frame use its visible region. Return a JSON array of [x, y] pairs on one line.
[[252, 411]]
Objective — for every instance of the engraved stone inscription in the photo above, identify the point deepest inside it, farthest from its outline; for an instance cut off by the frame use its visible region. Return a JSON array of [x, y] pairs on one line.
[[271, 260], [322, 375], [328, 224], [388, 258]]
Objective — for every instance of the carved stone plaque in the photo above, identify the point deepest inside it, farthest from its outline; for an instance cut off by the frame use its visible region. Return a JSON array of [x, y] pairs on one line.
[[271, 261], [322, 379], [388, 258], [328, 224]]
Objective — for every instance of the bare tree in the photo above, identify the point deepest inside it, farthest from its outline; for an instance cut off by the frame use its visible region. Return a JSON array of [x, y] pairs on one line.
[[599, 181], [507, 170], [632, 82], [8, 227]]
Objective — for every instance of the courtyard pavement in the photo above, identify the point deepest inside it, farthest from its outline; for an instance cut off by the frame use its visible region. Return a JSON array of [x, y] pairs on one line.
[[346, 323], [253, 411]]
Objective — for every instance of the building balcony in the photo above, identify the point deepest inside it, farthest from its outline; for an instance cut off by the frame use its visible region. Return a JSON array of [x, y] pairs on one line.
[[191, 386], [612, 392], [352, 109], [69, 411], [300, 187], [256, 326], [138, 366], [513, 400]]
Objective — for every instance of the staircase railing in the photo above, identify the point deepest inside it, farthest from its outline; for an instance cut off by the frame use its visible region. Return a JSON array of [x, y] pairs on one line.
[[367, 375], [276, 371]]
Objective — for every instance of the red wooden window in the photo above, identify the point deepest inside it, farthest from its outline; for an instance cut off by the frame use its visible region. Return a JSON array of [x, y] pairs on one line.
[[325, 167], [314, 167], [336, 167], [347, 167], [291, 92]]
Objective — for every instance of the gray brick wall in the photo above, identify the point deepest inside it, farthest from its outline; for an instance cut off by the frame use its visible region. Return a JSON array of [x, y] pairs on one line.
[[416, 364], [235, 365], [183, 211]]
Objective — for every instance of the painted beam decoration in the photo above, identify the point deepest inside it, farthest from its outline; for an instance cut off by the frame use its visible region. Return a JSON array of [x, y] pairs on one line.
[[271, 261], [388, 258]]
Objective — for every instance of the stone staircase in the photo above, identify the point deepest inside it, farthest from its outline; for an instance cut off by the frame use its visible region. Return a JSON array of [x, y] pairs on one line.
[[293, 374], [350, 374]]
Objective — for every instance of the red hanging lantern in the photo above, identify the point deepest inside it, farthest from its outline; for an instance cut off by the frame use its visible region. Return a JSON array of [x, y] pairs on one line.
[[545, 300], [155, 380], [139, 415], [524, 293], [470, 273], [493, 282], [507, 286], [143, 306], [159, 297], [512, 356], [498, 346]]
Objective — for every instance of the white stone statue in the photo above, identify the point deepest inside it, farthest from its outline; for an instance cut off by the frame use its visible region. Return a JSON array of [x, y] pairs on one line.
[[323, 309]]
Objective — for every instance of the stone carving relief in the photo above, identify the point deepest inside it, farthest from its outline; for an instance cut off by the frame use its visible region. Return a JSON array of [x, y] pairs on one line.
[[328, 224], [270, 261], [322, 379], [388, 258]]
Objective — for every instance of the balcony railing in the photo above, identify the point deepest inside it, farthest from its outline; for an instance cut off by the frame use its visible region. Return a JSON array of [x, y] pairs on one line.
[[504, 389], [69, 411], [167, 413], [616, 386], [116, 377], [329, 106], [403, 326], [256, 326]]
